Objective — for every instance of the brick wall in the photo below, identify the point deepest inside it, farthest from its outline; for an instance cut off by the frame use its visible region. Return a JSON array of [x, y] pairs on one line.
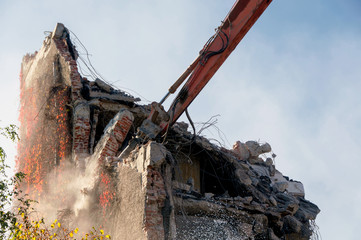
[[75, 77], [155, 196], [107, 148]]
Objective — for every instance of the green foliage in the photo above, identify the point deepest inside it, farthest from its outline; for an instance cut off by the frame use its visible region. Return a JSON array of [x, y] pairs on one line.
[[10, 132], [26, 229], [7, 186]]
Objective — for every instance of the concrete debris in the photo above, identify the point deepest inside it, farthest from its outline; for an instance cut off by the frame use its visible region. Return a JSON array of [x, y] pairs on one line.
[[241, 150], [255, 149], [112, 96], [261, 170], [58, 31], [243, 177], [307, 210], [101, 90], [250, 149], [148, 129], [295, 188], [281, 184], [291, 224], [151, 187], [103, 86], [153, 154]]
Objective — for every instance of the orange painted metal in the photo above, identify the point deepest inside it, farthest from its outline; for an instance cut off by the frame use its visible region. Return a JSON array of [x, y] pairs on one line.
[[239, 20]]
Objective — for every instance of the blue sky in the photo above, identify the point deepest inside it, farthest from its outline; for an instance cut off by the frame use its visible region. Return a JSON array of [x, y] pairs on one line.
[[294, 81]]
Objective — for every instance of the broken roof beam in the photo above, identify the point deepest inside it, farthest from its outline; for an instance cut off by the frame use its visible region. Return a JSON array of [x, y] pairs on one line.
[[115, 97], [102, 89]]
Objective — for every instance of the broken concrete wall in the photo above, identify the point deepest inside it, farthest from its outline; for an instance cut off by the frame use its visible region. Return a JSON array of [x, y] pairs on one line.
[[128, 214], [149, 160], [45, 114]]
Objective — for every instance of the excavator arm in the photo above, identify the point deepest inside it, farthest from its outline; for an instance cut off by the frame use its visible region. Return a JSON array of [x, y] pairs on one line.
[[234, 27]]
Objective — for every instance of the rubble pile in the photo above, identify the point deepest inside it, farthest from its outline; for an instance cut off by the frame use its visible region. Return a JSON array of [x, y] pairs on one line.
[[174, 186], [256, 199]]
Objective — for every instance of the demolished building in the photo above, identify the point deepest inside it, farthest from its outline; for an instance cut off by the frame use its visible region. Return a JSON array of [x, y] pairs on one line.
[[180, 186]]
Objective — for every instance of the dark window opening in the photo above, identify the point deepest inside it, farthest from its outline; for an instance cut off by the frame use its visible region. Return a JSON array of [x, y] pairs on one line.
[[209, 171], [104, 118], [217, 177]]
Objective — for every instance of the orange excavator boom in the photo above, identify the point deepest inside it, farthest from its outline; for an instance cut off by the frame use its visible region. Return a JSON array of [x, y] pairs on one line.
[[234, 27]]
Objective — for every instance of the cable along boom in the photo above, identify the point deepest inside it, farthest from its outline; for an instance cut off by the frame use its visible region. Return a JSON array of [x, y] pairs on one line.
[[234, 27]]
